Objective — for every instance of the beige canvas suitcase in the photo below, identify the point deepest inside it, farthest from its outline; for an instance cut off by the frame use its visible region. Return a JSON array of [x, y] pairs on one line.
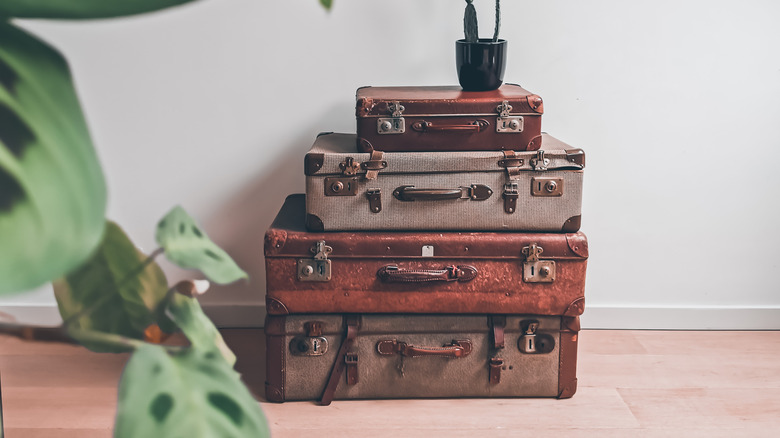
[[478, 190], [326, 356]]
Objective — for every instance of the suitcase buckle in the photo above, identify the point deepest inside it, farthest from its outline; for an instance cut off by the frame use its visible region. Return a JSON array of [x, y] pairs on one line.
[[535, 270], [394, 124], [318, 268], [510, 198]]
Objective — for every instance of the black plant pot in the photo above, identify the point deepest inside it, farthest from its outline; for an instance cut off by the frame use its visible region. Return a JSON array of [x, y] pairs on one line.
[[481, 64]]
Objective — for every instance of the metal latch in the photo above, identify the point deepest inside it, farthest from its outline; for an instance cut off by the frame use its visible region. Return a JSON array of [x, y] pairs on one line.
[[532, 342], [341, 186], [539, 163], [510, 198], [546, 186], [506, 123], [349, 167], [374, 200], [313, 344], [318, 268], [535, 270], [394, 124]]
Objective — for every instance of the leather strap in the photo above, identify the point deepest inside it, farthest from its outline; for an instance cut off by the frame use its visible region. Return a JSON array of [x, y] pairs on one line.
[[495, 370], [351, 362], [512, 164], [352, 322], [374, 165], [498, 322]]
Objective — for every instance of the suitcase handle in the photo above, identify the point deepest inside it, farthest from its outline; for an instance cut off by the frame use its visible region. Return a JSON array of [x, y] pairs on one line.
[[394, 274], [458, 348], [476, 192], [475, 126]]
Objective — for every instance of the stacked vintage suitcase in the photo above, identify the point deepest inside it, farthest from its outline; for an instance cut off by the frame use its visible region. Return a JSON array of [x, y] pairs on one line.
[[436, 254]]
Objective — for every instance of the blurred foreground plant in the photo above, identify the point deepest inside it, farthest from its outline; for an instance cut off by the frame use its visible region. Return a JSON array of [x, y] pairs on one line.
[[112, 297]]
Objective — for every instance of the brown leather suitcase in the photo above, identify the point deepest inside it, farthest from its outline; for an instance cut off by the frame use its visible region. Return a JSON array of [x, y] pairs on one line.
[[326, 357], [406, 119], [420, 272]]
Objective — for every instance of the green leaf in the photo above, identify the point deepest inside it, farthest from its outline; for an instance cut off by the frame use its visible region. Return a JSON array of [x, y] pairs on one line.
[[52, 192], [76, 9], [188, 246], [327, 4], [194, 394], [203, 335], [118, 290]]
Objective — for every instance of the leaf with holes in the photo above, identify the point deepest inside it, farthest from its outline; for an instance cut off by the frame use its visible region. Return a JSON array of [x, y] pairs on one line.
[[82, 8], [192, 394], [118, 290], [52, 192], [201, 332], [188, 246]]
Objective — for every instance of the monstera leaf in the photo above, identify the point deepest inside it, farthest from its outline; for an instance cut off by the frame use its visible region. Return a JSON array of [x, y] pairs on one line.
[[81, 8], [52, 192], [203, 335], [118, 290], [188, 246], [191, 394]]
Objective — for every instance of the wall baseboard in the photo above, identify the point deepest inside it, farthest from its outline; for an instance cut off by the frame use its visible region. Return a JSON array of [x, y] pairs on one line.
[[595, 317]]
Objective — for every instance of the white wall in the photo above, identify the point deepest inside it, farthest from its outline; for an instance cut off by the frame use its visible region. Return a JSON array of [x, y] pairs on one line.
[[213, 105]]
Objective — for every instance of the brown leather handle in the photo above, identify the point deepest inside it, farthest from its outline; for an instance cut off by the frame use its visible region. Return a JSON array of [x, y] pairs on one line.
[[456, 349], [411, 193], [394, 274], [475, 126]]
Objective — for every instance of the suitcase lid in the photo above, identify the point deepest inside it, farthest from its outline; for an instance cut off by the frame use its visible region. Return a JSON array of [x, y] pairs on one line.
[[331, 151], [288, 237], [445, 100]]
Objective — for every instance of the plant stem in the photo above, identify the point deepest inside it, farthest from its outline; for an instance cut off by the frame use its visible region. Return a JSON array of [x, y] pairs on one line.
[[37, 333], [498, 20]]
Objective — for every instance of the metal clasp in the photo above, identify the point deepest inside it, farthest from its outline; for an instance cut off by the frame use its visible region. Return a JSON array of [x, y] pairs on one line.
[[533, 342], [535, 270], [318, 268], [510, 198], [506, 123], [374, 200], [540, 163], [394, 124]]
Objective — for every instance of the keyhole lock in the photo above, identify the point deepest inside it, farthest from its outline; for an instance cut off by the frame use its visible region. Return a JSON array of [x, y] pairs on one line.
[[551, 186], [514, 125], [544, 271], [337, 186], [386, 126], [307, 270]]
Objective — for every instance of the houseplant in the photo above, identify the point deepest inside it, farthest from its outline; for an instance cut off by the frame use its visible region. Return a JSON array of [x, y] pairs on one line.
[[112, 297], [480, 61]]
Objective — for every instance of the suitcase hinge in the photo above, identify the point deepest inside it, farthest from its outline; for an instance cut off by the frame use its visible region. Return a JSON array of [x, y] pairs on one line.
[[374, 200], [532, 342], [535, 270], [351, 364], [540, 163], [506, 123], [318, 268], [395, 123], [510, 198]]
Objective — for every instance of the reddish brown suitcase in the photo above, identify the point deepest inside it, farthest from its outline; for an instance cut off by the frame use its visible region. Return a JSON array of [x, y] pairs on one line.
[[420, 272], [406, 119]]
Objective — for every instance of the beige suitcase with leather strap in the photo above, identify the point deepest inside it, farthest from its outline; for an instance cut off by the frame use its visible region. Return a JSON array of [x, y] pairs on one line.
[[351, 356], [478, 190]]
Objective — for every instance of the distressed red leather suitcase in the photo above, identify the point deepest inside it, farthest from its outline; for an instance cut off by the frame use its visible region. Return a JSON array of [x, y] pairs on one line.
[[405, 119], [420, 272], [326, 357]]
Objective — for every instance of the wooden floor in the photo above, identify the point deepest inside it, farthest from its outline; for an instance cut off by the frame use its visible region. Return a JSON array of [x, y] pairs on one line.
[[632, 384]]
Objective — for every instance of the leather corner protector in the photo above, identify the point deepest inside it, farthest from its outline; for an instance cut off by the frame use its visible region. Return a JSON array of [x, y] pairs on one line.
[[273, 393], [364, 145], [578, 243], [363, 105], [568, 390], [575, 308], [571, 323], [535, 143], [536, 103], [572, 224], [576, 156], [274, 241], [313, 163], [275, 307], [314, 223]]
